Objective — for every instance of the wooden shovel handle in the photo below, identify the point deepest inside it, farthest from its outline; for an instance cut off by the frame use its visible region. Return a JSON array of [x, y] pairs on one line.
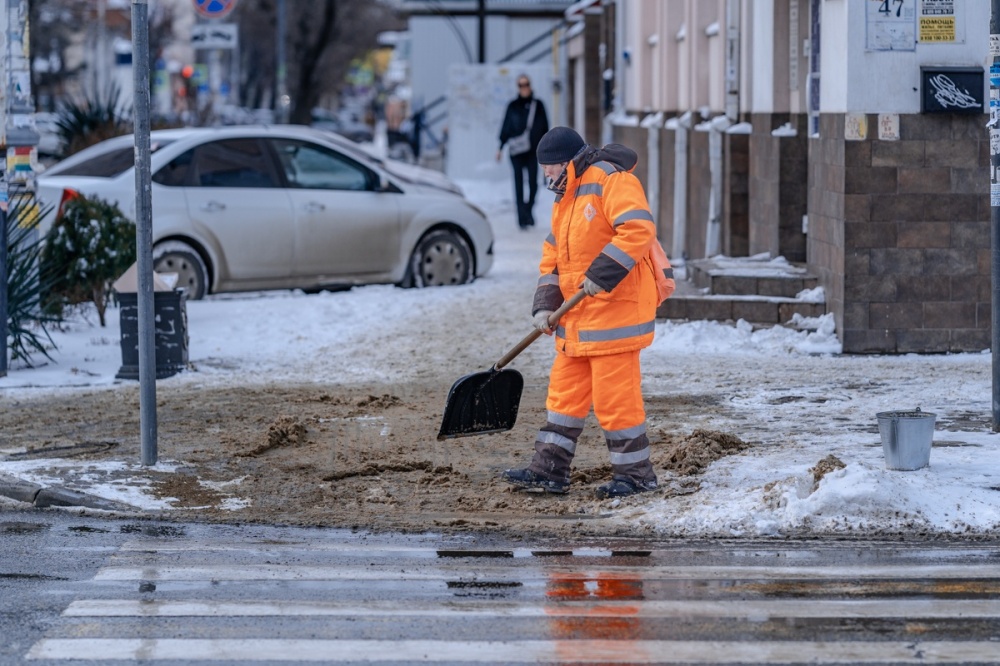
[[534, 335]]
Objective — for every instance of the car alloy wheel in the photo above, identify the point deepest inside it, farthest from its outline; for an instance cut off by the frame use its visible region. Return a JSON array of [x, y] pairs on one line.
[[441, 258], [181, 258]]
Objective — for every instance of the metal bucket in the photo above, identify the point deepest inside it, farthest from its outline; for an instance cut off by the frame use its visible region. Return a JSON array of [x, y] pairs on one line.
[[906, 438]]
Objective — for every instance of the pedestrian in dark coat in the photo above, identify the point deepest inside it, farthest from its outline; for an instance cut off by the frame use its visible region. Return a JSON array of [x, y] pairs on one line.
[[515, 122]]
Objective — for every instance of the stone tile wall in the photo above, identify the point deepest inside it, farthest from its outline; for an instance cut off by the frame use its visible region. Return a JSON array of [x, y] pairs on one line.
[[778, 187], [899, 233], [699, 191], [665, 214], [736, 193]]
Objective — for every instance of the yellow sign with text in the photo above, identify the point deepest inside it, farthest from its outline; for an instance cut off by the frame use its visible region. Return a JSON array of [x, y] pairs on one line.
[[937, 29]]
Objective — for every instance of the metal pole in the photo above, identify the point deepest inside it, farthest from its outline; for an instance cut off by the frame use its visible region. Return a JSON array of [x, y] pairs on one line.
[[3, 293], [101, 51], [282, 73], [994, 126], [17, 142], [7, 78], [144, 231], [481, 13], [733, 60]]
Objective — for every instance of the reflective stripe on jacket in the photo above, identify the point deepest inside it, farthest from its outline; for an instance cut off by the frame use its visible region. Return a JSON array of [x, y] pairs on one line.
[[602, 229]]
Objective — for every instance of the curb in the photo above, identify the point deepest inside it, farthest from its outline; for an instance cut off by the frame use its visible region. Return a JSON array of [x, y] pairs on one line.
[[41, 497]]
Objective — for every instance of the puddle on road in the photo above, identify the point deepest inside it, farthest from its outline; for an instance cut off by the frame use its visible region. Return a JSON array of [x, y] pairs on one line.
[[483, 588], [475, 553], [916, 587], [23, 528], [154, 530], [69, 451], [87, 529], [25, 576]]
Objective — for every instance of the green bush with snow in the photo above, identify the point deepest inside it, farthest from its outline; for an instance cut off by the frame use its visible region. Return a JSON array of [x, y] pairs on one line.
[[90, 245]]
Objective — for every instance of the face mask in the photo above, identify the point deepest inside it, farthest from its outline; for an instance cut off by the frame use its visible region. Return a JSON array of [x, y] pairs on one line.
[[558, 185]]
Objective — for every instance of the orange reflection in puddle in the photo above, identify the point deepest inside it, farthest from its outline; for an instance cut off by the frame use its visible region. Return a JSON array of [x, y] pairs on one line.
[[609, 618]]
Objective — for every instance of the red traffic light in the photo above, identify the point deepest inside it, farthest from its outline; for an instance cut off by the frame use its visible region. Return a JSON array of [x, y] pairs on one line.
[[187, 71]]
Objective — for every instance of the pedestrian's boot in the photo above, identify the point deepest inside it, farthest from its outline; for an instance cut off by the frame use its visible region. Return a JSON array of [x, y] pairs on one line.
[[623, 487], [528, 480], [631, 470]]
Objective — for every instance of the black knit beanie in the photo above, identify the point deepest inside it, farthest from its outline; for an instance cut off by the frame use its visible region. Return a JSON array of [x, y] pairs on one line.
[[560, 144]]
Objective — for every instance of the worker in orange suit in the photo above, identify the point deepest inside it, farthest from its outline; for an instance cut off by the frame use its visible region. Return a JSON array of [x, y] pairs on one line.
[[601, 239]]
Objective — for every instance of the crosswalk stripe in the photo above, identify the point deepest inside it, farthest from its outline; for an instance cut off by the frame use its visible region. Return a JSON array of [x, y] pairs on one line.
[[559, 599], [364, 550], [752, 609], [553, 651], [287, 572]]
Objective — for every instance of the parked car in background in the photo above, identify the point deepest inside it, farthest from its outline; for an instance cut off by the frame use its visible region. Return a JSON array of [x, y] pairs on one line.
[[280, 207], [344, 124]]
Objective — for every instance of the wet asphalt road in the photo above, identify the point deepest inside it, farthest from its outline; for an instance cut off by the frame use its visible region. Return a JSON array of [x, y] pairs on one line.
[[88, 590]]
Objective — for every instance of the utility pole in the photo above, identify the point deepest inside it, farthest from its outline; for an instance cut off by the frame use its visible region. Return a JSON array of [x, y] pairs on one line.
[[144, 232], [994, 128], [3, 293], [17, 141], [101, 51], [481, 13], [283, 101]]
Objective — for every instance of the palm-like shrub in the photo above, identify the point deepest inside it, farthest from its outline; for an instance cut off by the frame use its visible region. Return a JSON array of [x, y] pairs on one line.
[[27, 322], [98, 117], [88, 247]]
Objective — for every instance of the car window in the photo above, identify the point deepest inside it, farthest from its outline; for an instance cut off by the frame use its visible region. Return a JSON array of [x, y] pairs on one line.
[[106, 165], [175, 173], [311, 166], [229, 163]]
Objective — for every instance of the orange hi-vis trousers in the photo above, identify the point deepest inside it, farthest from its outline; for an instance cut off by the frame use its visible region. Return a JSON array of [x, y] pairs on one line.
[[612, 384]]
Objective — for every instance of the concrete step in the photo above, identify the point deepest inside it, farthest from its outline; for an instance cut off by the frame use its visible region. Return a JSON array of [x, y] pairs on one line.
[[759, 290], [758, 310], [750, 275]]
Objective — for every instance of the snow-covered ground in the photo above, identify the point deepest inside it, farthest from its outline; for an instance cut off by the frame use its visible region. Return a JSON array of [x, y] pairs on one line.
[[798, 398]]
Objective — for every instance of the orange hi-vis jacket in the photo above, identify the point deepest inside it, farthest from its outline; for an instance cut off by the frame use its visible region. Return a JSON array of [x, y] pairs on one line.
[[602, 228]]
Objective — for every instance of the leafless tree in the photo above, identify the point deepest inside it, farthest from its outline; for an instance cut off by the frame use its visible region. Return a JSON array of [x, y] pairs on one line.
[[56, 24], [322, 39]]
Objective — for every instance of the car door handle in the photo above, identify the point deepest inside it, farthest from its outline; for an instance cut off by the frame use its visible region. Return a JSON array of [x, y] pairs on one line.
[[313, 207], [213, 207]]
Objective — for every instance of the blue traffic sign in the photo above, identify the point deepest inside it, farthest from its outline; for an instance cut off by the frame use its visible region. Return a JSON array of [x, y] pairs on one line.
[[214, 8]]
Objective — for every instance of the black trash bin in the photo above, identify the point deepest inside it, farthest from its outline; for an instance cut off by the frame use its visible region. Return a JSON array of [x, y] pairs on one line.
[[171, 338]]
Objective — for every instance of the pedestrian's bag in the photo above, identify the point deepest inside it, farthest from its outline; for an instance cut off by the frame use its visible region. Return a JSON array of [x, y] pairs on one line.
[[662, 270], [521, 144]]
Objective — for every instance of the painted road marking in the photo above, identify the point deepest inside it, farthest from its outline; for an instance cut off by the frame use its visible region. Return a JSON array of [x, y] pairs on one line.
[[293, 572], [588, 610], [758, 610], [553, 651]]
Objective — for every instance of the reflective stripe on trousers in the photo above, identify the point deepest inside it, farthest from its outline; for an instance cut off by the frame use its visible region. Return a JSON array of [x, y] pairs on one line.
[[613, 385]]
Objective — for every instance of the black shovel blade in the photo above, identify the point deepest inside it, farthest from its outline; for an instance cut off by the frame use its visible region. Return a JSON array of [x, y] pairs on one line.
[[481, 403]]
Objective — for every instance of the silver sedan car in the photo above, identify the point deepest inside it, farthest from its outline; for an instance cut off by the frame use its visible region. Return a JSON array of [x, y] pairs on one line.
[[283, 207]]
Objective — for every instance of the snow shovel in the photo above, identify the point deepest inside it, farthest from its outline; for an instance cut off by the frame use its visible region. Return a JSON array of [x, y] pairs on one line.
[[486, 402]]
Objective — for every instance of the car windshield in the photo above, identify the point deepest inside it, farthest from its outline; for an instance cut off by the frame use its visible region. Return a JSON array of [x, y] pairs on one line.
[[109, 164]]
